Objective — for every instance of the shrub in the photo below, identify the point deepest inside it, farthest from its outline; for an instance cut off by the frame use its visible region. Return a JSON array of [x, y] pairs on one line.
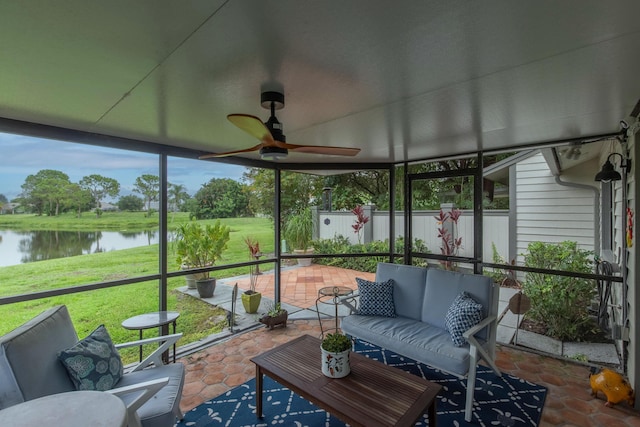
[[341, 245], [560, 302]]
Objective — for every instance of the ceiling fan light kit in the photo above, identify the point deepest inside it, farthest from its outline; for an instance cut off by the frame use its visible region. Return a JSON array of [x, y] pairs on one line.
[[273, 143], [273, 153]]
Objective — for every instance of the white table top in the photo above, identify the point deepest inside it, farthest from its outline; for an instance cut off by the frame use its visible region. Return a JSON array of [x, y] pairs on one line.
[[72, 409]]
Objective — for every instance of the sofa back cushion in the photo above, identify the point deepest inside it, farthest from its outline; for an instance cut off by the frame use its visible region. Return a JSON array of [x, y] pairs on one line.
[[442, 288], [29, 363], [408, 289]]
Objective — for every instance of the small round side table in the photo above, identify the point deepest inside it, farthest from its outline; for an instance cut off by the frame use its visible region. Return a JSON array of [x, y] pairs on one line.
[[331, 295], [152, 320]]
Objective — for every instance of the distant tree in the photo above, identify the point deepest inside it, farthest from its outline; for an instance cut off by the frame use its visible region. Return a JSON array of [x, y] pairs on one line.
[[130, 203], [149, 186], [100, 186], [46, 190], [221, 198], [3, 199], [177, 195], [78, 198], [299, 190]]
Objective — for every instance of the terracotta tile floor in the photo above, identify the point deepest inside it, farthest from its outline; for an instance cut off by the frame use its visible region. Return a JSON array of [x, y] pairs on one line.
[[225, 365], [299, 286]]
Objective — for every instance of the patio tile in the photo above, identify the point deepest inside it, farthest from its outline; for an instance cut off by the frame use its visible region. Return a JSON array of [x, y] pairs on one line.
[[226, 364]]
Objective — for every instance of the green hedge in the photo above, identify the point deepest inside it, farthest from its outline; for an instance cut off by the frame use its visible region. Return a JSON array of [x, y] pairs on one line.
[[341, 245]]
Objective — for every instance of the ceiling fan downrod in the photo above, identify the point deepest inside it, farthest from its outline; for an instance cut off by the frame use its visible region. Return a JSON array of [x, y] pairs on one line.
[[273, 101]]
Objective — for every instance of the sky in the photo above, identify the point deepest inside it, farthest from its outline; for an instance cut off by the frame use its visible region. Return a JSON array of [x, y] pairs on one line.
[[21, 156]]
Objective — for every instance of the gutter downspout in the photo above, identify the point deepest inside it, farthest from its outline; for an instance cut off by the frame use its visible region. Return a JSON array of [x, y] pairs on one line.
[[596, 210]]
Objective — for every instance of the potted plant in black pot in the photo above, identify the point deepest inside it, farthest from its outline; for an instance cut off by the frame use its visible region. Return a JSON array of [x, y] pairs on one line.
[[298, 234], [335, 349], [251, 298], [200, 246]]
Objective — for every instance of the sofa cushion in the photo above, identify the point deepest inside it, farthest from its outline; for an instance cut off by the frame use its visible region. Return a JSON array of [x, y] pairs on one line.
[[376, 298], [94, 362], [408, 287], [28, 357], [463, 314], [162, 408], [419, 341], [442, 287]]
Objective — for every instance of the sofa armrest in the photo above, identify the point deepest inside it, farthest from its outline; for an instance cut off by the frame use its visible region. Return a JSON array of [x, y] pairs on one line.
[[145, 390], [476, 348], [351, 302], [477, 328], [155, 357]]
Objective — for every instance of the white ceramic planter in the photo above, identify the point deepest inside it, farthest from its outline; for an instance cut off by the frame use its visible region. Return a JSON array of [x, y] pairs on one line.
[[335, 365]]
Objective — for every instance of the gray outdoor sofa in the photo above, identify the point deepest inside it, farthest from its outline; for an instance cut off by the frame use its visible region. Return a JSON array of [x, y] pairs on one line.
[[422, 298]]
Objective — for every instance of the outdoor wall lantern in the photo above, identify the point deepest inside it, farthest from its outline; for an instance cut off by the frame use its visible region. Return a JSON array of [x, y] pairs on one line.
[[608, 173]]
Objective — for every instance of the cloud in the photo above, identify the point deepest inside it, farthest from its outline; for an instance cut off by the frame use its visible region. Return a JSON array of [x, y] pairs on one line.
[[22, 156]]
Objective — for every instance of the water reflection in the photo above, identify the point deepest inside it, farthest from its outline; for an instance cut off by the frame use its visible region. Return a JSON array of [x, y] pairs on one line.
[[18, 247]]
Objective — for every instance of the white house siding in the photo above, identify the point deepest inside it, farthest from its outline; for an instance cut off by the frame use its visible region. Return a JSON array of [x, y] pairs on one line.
[[633, 295], [549, 212]]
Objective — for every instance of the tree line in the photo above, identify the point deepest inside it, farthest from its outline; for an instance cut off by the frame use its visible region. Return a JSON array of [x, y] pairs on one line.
[[50, 192]]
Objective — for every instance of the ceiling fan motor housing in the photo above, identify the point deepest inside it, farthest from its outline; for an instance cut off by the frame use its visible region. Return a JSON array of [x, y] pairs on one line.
[[273, 101]]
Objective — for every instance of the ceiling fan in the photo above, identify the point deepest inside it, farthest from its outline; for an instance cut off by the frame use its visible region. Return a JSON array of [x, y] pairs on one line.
[[273, 143]]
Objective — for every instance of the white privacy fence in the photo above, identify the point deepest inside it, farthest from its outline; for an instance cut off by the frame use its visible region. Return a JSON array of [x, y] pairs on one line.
[[425, 227]]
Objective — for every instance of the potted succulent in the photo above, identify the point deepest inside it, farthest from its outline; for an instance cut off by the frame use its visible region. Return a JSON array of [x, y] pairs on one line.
[[200, 246], [297, 233], [251, 298], [276, 315], [335, 349]]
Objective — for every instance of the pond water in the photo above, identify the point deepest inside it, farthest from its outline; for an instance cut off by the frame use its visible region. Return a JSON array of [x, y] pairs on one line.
[[19, 247]]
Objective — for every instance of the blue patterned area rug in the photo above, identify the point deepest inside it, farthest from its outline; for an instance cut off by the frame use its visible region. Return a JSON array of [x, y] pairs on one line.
[[499, 401]]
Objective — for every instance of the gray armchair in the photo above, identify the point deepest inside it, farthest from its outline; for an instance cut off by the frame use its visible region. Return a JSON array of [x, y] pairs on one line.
[[29, 368]]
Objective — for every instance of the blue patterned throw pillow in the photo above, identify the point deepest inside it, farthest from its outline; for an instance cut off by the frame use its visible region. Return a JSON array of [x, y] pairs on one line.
[[464, 313], [376, 298], [93, 363]]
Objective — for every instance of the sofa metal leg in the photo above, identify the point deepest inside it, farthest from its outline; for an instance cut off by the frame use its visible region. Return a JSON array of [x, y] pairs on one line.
[[471, 384]]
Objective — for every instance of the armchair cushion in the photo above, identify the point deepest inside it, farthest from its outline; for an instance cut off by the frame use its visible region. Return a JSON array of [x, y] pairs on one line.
[[93, 363], [464, 313], [376, 298]]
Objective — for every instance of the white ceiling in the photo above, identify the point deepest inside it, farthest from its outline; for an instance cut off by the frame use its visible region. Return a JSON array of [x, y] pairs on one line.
[[401, 80]]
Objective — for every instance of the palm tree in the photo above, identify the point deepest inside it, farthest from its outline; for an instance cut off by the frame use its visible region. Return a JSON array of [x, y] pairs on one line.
[[176, 194]]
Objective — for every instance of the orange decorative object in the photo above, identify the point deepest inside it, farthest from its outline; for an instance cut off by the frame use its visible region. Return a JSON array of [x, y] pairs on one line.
[[613, 385], [629, 227]]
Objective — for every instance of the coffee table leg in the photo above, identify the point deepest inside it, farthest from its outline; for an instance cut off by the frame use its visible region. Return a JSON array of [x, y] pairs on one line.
[[258, 392], [432, 413]]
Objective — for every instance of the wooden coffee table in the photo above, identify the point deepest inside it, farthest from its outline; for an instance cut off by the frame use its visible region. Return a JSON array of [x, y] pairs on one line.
[[372, 395]]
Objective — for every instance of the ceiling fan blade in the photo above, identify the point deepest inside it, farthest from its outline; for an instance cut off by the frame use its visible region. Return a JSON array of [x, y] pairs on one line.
[[230, 153], [252, 125], [319, 149]]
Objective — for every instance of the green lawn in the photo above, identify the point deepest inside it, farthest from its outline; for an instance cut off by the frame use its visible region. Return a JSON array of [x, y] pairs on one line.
[[111, 306]]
